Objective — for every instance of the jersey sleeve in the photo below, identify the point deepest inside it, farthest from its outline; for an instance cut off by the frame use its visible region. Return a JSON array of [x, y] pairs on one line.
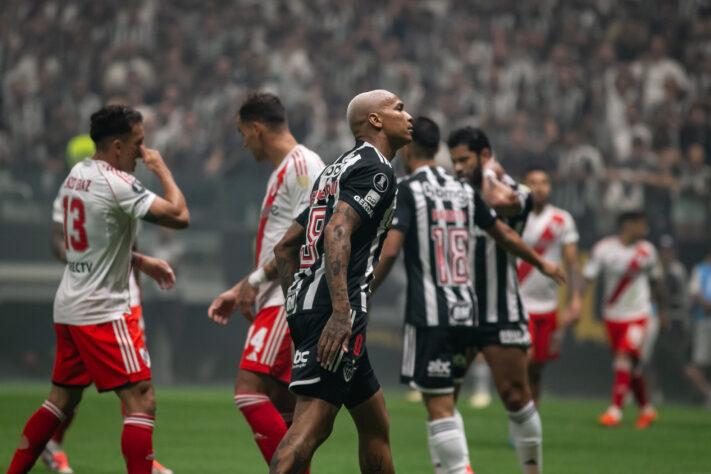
[[655, 270], [523, 193], [57, 211], [592, 267], [300, 178], [367, 188], [570, 231], [405, 208], [131, 196], [484, 216]]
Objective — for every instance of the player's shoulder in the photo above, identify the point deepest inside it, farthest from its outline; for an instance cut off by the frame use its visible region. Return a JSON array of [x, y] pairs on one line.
[[648, 247], [606, 243], [561, 213], [307, 158]]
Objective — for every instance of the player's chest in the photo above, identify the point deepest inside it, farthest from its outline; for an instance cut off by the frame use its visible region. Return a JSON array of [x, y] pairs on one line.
[[627, 262]]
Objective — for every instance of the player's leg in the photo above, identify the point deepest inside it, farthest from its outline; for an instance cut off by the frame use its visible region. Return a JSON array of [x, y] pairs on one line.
[[373, 425], [265, 369], [137, 436], [545, 347], [53, 455], [313, 422], [42, 425], [700, 359], [509, 368]]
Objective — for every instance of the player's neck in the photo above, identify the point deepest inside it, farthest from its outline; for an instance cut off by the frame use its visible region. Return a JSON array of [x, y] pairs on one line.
[[627, 240], [279, 147], [538, 208], [379, 141], [104, 157]]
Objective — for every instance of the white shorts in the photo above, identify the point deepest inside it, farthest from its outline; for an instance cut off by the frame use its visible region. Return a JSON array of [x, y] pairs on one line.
[[701, 343], [650, 339]]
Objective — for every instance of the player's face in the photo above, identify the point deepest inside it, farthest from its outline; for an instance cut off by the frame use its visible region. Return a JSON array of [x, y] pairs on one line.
[[130, 149], [397, 123], [467, 165], [540, 186], [638, 228], [250, 137]]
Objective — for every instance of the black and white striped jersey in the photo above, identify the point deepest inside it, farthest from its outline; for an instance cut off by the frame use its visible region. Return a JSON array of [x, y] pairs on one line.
[[495, 277], [438, 214], [363, 178]]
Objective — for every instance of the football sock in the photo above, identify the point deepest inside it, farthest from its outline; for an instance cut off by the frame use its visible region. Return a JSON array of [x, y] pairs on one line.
[[447, 441], [137, 443], [639, 389], [620, 386], [460, 425], [37, 432], [527, 434], [267, 424], [58, 436]]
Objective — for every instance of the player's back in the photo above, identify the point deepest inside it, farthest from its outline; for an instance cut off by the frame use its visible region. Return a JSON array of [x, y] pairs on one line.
[[100, 206], [437, 215]]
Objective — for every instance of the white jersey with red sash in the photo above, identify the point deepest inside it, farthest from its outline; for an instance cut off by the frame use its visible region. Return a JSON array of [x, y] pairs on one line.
[[627, 270], [546, 233], [288, 192]]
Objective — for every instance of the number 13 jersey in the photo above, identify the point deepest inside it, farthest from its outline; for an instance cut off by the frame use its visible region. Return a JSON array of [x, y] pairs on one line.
[[99, 207]]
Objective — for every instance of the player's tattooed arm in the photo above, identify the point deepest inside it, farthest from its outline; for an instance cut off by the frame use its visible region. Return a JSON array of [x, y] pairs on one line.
[[391, 248], [56, 242], [286, 255], [336, 253], [510, 241]]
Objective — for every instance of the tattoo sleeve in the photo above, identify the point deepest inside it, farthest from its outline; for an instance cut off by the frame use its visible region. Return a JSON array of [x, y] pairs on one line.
[[286, 255], [337, 253]]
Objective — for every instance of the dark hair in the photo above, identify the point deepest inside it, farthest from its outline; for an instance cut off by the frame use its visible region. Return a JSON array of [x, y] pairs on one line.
[[425, 135], [630, 216], [265, 108], [112, 121], [535, 169], [474, 138]]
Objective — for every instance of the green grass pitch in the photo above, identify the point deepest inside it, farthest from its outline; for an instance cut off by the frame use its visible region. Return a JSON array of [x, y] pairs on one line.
[[201, 431]]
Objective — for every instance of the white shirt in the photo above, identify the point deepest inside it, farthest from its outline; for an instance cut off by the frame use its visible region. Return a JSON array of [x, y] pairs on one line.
[[546, 233], [627, 271], [99, 207], [288, 191]]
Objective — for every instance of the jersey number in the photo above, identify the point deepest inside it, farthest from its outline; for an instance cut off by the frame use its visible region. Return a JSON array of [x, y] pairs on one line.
[[309, 254], [451, 255], [75, 210], [257, 343]]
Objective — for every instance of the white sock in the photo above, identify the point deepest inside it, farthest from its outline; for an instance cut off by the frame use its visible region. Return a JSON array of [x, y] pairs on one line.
[[482, 377], [448, 445], [460, 425], [527, 435]]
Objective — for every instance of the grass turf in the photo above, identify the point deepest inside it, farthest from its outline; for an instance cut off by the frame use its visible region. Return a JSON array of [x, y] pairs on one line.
[[201, 431]]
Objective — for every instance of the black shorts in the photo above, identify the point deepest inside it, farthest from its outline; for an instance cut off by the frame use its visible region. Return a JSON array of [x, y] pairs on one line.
[[514, 334], [349, 381], [433, 358]]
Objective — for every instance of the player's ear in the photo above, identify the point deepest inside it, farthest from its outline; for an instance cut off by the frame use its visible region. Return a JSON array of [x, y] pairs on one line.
[[375, 120]]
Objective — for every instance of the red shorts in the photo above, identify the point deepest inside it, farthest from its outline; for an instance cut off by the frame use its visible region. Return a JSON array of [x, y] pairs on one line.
[[268, 346], [110, 355], [546, 342], [137, 314], [627, 336]]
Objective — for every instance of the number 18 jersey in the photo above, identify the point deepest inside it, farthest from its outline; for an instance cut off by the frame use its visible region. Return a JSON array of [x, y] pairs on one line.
[[100, 207]]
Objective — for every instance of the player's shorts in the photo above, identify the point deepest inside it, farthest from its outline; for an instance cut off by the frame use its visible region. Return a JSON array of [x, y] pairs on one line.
[[349, 380], [701, 343], [110, 355], [514, 334], [627, 336], [544, 336], [434, 358], [267, 349], [137, 314]]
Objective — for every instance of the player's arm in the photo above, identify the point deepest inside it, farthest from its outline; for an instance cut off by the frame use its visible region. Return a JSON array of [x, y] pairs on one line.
[[170, 210], [336, 253], [570, 257], [56, 242], [286, 254], [510, 241], [388, 256], [243, 295], [155, 268], [500, 197]]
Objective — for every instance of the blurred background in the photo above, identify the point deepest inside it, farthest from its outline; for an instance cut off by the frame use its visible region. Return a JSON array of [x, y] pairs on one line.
[[612, 97]]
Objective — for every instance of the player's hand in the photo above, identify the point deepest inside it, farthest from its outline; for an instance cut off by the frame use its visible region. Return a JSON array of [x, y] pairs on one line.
[[159, 270], [222, 308], [152, 159], [496, 167], [572, 314], [553, 271], [334, 337]]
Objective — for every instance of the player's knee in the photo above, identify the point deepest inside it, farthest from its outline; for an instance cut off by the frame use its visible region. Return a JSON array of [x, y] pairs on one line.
[[66, 399], [514, 396]]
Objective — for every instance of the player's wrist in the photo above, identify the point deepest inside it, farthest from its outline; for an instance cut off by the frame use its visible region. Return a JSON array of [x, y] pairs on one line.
[[489, 173], [257, 277]]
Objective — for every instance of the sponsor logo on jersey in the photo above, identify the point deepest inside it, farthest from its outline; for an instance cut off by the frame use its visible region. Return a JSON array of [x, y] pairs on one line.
[[80, 267], [300, 359], [77, 184], [331, 189], [137, 187], [302, 181], [364, 204], [380, 181], [439, 368], [145, 356], [459, 360], [457, 195], [275, 210], [514, 336]]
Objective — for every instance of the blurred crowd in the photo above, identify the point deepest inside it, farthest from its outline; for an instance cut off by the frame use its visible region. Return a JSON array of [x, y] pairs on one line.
[[612, 96]]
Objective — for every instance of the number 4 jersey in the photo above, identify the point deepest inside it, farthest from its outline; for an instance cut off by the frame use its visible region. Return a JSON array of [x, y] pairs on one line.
[[99, 207], [438, 214]]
